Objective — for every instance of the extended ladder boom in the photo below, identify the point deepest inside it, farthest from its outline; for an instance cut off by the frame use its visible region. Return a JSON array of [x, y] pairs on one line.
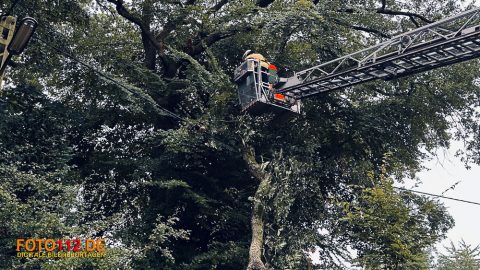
[[451, 40]]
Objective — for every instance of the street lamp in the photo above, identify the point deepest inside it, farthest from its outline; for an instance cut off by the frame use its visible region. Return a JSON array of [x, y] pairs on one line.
[[19, 41], [22, 36]]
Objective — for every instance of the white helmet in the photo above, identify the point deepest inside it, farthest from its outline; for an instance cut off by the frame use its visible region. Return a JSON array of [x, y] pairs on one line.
[[247, 52]]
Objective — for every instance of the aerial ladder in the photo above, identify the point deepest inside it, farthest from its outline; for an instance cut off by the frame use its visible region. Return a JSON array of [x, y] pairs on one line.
[[451, 40]]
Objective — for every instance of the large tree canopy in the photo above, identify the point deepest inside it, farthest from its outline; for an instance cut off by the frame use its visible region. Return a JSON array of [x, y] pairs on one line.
[[121, 121]]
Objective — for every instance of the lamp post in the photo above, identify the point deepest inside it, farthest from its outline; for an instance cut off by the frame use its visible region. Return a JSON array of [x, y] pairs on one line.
[[18, 42], [22, 36]]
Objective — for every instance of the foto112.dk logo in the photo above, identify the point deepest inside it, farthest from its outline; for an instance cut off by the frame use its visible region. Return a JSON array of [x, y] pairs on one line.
[[60, 248]]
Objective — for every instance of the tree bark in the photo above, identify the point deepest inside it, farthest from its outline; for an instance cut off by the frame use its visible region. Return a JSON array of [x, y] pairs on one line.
[[257, 222], [256, 245], [150, 53], [148, 46]]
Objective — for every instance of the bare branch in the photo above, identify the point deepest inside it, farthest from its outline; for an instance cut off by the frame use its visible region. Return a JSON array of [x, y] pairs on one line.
[[385, 11], [404, 13], [253, 167], [363, 28], [136, 20]]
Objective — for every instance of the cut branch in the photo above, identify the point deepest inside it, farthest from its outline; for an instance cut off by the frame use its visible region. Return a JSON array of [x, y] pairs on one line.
[[253, 167]]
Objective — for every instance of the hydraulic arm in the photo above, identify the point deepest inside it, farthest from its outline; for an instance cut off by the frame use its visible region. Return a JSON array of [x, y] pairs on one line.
[[445, 42], [451, 40]]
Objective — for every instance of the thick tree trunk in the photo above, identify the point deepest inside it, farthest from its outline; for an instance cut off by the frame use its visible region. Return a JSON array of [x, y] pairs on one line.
[[257, 223], [148, 46], [150, 53]]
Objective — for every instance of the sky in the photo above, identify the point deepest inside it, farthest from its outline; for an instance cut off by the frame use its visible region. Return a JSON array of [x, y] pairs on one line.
[[442, 172]]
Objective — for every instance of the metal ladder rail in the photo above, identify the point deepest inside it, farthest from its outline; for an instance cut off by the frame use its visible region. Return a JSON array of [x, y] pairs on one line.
[[351, 69], [438, 53]]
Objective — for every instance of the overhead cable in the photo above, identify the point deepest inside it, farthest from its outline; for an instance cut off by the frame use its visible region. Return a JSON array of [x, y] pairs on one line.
[[437, 196]]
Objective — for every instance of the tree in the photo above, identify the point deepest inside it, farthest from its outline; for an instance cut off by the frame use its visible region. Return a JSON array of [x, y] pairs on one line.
[[462, 257], [166, 167]]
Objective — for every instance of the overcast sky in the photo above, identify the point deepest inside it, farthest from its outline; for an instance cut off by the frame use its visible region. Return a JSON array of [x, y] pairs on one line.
[[446, 170]]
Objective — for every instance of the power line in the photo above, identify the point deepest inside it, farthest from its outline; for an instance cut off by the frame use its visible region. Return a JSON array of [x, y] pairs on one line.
[[171, 114], [116, 82], [168, 112], [121, 85], [437, 196], [109, 78]]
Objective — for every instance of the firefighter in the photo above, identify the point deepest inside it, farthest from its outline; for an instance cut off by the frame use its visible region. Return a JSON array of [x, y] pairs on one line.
[[249, 54], [272, 74], [264, 64], [269, 71], [273, 80]]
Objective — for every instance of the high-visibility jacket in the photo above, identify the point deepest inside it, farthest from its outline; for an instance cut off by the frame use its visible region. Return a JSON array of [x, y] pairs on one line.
[[272, 74]]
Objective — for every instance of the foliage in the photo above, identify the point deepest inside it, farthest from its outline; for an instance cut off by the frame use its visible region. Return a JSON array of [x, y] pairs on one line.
[[108, 132], [462, 257], [393, 229]]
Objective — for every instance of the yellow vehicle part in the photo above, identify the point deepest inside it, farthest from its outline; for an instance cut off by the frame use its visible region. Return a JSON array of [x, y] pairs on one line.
[[7, 29]]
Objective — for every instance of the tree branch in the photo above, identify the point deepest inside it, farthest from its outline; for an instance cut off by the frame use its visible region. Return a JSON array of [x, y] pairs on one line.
[[258, 211], [414, 21], [363, 28], [137, 21], [386, 11], [170, 66], [219, 5], [214, 37], [253, 167], [264, 3], [404, 13]]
